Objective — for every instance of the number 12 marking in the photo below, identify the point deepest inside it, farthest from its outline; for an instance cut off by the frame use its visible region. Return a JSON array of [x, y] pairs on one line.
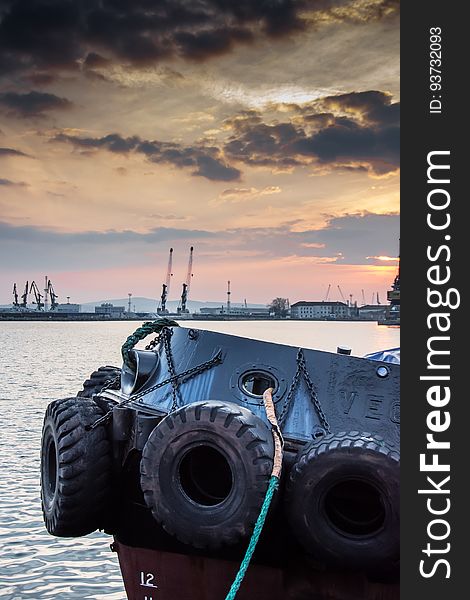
[[146, 580]]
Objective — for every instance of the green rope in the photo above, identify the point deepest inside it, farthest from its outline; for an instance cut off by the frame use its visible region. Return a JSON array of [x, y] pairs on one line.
[[140, 333], [273, 485]]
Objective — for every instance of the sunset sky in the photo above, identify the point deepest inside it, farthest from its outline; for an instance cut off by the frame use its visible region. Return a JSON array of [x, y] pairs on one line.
[[265, 133]]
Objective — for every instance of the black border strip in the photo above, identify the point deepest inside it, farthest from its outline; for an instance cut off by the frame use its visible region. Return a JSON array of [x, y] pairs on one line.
[[423, 132]]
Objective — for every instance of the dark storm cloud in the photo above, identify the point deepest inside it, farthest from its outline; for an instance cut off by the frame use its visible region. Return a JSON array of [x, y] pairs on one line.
[[348, 141], [32, 104], [362, 128], [360, 133], [204, 161], [44, 35], [11, 152], [351, 239], [376, 107]]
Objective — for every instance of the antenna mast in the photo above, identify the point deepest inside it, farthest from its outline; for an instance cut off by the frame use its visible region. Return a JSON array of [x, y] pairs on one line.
[[229, 307], [46, 292]]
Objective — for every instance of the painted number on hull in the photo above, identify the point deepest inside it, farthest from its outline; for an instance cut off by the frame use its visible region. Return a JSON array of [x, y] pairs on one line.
[[147, 580]]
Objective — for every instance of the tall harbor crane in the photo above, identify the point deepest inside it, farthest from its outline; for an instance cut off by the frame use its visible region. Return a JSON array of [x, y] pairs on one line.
[[37, 295], [187, 283], [52, 295], [327, 296], [24, 296], [166, 286], [15, 296]]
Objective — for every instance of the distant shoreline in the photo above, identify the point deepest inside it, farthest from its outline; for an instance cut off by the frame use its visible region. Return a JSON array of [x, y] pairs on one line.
[[31, 316]]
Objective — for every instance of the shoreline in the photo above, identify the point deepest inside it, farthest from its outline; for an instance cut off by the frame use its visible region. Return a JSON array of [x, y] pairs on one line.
[[67, 317]]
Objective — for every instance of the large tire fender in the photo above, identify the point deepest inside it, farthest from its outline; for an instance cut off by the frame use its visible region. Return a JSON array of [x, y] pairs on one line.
[[75, 468], [205, 470], [98, 379], [343, 500]]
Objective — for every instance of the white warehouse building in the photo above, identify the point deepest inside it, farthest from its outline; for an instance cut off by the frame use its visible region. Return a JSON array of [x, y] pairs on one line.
[[319, 310]]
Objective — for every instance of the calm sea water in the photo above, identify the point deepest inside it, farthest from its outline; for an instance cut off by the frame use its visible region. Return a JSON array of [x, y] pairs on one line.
[[44, 361]]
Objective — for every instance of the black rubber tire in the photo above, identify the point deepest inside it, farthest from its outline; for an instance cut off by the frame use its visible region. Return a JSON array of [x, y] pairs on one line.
[[219, 510], [75, 468], [343, 501], [97, 380]]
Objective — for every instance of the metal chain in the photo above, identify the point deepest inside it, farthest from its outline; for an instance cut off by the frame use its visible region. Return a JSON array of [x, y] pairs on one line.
[[151, 345], [302, 370], [181, 378], [290, 394], [313, 394], [165, 336], [110, 383]]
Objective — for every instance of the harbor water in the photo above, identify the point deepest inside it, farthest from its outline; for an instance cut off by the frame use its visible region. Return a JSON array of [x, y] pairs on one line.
[[45, 361]]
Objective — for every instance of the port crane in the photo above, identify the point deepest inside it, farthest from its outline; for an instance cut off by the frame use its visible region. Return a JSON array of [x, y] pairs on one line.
[[52, 295], [24, 296], [342, 295], [166, 285], [187, 283], [327, 296], [15, 296], [37, 295]]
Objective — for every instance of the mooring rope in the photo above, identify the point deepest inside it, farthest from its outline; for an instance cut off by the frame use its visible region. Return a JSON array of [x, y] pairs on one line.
[[272, 487], [156, 327], [142, 332]]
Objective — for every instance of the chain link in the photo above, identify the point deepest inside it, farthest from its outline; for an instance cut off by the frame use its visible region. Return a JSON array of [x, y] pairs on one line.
[[313, 394], [153, 343], [111, 383], [302, 370], [165, 337], [290, 394]]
